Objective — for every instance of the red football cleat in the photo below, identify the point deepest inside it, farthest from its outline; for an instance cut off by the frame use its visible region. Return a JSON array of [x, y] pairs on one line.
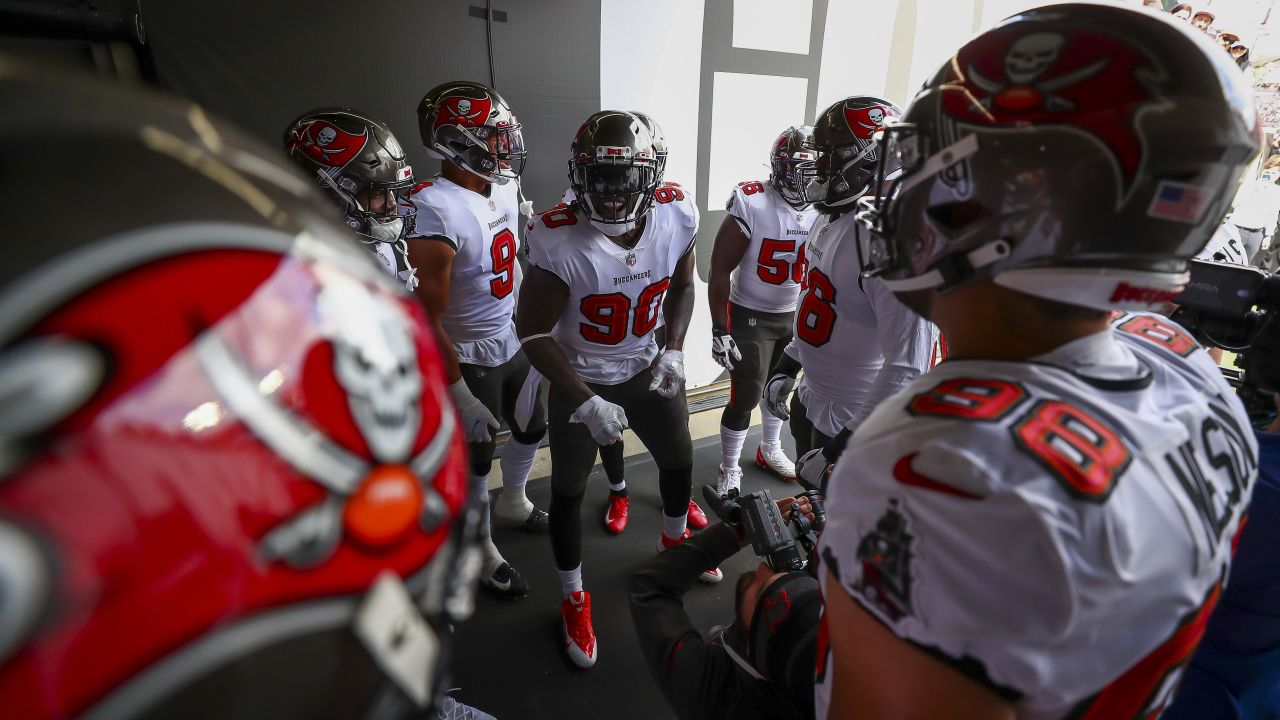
[[579, 636], [710, 577], [696, 519], [615, 516]]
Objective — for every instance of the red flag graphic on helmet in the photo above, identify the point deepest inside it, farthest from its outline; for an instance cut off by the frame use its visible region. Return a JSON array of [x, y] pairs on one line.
[[467, 111], [864, 121], [1082, 79], [327, 144]]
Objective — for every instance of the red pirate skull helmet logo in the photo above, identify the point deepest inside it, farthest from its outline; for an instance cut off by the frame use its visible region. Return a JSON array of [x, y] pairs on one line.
[[326, 143], [1017, 78], [465, 111], [865, 120]]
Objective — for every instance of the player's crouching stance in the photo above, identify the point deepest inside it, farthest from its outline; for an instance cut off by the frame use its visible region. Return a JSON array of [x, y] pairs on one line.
[[602, 273], [1039, 527]]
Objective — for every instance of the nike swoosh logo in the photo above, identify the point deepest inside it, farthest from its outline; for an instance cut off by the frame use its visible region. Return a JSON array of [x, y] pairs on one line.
[[905, 474]]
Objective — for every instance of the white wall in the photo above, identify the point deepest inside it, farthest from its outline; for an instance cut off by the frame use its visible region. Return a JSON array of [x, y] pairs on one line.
[[650, 53]]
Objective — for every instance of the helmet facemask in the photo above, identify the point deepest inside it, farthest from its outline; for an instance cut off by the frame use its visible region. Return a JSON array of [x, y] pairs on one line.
[[494, 154], [792, 176], [378, 212], [842, 175], [908, 159], [615, 190]]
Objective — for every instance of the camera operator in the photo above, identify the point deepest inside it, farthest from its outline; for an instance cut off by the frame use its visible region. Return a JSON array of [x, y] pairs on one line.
[[761, 666]]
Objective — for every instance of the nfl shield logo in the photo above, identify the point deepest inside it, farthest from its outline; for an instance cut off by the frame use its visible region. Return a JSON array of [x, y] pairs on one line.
[[751, 322], [631, 259], [493, 205]]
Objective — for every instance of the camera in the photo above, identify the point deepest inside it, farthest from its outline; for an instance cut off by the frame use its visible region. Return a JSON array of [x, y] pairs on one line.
[[784, 544], [1234, 307]]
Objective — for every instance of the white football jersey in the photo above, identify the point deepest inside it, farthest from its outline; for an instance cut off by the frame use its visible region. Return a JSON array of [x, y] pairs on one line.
[[1059, 529], [1224, 246], [484, 232], [615, 295], [768, 277], [846, 324]]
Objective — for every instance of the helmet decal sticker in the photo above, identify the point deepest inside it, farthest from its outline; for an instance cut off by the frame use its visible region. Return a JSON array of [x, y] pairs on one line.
[[864, 122], [1008, 79], [465, 111], [326, 143]]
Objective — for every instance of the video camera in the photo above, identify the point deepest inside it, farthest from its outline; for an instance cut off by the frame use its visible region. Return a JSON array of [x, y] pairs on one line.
[[1234, 307], [784, 545]]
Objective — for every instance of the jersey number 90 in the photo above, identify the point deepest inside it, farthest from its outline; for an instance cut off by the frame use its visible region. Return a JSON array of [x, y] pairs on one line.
[[606, 315]]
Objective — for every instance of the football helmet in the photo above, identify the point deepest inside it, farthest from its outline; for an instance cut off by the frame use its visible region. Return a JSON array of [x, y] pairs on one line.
[[359, 162], [659, 141], [613, 171], [844, 136], [791, 164], [231, 479], [1079, 152], [471, 126]]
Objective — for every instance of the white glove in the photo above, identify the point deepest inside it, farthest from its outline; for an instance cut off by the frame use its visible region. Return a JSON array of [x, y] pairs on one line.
[[668, 374], [812, 468], [605, 420], [776, 391], [723, 349], [478, 424]]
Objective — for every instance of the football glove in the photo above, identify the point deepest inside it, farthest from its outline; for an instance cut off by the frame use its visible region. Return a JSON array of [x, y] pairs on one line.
[[668, 374], [723, 349], [478, 424], [603, 419]]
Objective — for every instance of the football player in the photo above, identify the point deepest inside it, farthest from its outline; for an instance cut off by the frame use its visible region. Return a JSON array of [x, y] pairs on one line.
[[1040, 526], [232, 484], [465, 240], [360, 165], [858, 345], [618, 509], [603, 272], [756, 268]]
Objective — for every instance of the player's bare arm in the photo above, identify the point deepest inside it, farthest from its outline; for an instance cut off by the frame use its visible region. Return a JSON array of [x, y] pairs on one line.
[[434, 259], [677, 307], [877, 674], [542, 299], [729, 248]]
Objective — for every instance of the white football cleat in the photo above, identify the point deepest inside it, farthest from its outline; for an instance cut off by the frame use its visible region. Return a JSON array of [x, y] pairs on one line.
[[776, 462], [729, 479]]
